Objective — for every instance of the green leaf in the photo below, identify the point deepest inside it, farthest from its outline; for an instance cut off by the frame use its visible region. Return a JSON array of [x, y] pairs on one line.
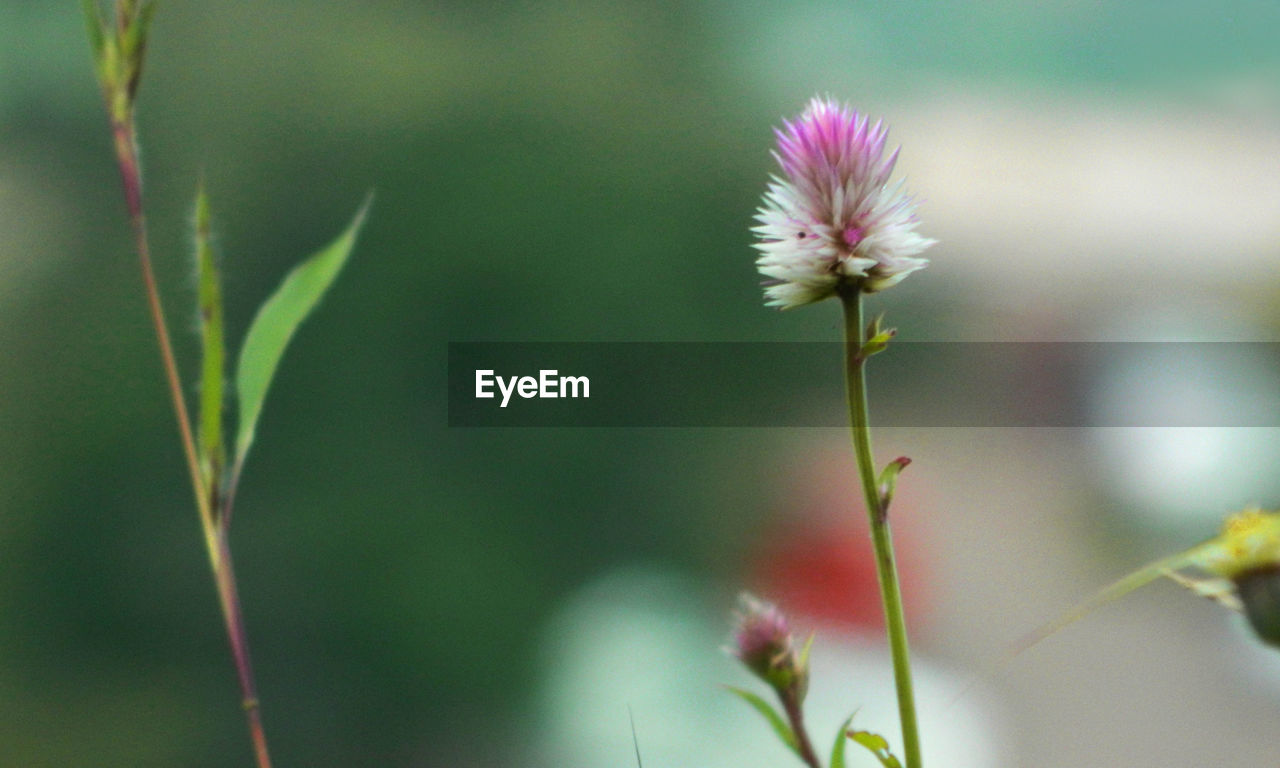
[[802, 669], [142, 26], [94, 22], [837, 751], [887, 483], [275, 324], [134, 40], [213, 358], [876, 745], [802, 658], [776, 720], [96, 26]]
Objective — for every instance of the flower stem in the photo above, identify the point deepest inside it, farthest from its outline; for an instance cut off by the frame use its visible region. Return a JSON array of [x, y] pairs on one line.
[[212, 523], [126, 146], [877, 511], [795, 714], [229, 597]]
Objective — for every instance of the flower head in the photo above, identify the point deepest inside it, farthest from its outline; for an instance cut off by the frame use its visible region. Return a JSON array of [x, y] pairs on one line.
[[762, 642], [1250, 540], [831, 220], [1247, 552]]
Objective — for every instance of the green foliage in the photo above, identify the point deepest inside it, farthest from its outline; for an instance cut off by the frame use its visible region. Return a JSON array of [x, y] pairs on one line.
[[97, 36], [776, 720], [213, 357], [837, 751], [802, 669], [877, 338], [888, 480], [876, 745], [275, 324], [118, 50]]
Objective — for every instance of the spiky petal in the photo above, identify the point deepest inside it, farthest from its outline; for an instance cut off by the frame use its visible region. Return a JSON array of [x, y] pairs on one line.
[[762, 641], [831, 218]]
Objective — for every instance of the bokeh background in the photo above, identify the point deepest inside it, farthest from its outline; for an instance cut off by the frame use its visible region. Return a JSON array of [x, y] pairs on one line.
[[424, 596]]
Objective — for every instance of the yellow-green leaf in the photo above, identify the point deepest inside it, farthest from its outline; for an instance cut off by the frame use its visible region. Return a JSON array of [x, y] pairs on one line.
[[95, 24], [837, 751], [276, 323], [876, 745]]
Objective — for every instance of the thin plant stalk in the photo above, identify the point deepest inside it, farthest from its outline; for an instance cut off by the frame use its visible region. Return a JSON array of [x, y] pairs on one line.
[[795, 714], [213, 521], [127, 157], [877, 510]]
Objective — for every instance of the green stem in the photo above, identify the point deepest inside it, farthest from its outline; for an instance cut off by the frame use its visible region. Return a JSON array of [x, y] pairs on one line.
[[229, 596], [877, 511], [126, 146], [207, 501]]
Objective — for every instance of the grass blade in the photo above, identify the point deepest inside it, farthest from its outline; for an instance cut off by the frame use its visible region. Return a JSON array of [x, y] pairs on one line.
[[776, 720], [837, 751]]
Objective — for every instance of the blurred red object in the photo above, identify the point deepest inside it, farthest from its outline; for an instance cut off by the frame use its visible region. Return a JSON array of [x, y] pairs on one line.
[[816, 561]]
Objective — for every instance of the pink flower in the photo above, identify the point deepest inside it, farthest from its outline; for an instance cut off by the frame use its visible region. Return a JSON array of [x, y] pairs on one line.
[[761, 636], [762, 642], [831, 220]]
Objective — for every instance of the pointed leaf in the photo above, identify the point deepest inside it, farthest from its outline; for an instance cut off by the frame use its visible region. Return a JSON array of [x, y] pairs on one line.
[[213, 358], [94, 22], [837, 751], [141, 26], [776, 720], [275, 324], [802, 670], [887, 483], [133, 43], [802, 658]]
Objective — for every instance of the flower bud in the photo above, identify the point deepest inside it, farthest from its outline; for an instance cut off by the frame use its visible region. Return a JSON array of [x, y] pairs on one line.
[[762, 641]]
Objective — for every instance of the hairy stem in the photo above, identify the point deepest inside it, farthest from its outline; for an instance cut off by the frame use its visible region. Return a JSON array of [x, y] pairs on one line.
[[130, 172], [877, 511], [212, 523]]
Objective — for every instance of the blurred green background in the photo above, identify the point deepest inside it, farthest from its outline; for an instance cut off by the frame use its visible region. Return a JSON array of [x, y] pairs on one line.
[[584, 172]]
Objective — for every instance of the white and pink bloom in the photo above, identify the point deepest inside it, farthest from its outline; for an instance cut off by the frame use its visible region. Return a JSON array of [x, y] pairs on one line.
[[831, 220]]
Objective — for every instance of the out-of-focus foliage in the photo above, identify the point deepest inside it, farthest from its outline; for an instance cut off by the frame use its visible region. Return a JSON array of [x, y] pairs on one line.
[[543, 172]]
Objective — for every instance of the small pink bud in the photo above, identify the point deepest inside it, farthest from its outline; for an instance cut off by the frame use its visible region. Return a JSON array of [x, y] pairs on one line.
[[762, 641]]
